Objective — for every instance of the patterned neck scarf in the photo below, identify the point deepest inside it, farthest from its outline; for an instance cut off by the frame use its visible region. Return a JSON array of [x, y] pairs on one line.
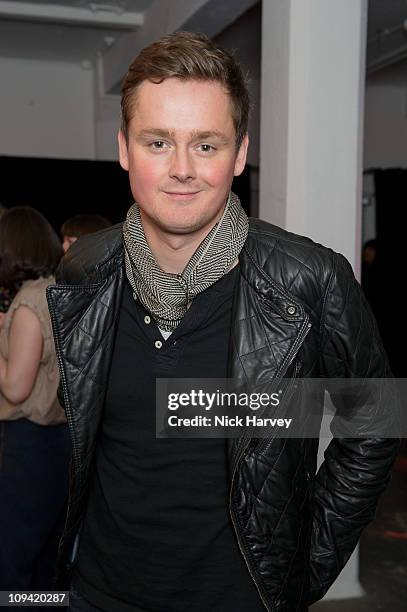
[[166, 296]]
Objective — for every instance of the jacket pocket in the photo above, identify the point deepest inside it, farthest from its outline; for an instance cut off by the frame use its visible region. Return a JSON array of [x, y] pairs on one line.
[[288, 391]]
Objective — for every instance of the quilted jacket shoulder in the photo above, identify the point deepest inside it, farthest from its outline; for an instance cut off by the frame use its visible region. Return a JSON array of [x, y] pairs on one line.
[[292, 261], [284, 256], [85, 258]]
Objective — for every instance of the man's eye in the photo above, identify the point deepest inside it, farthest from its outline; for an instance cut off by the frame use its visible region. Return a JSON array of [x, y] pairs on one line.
[[206, 148], [158, 145]]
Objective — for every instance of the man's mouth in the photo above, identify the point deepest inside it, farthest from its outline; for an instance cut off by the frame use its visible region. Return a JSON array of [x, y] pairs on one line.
[[181, 195]]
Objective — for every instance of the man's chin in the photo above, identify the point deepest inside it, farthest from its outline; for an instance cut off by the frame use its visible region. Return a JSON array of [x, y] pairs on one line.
[[182, 229]]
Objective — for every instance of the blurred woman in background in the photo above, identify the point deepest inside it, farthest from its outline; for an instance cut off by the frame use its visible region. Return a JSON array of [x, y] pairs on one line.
[[34, 443]]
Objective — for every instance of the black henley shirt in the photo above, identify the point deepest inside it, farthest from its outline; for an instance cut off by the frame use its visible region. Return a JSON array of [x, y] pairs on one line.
[[157, 535]]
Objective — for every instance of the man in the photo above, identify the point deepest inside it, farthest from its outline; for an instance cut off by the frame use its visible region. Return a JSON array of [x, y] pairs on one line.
[[189, 287]]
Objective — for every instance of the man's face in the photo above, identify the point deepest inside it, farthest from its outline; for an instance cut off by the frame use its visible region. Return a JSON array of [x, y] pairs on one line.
[[181, 154]]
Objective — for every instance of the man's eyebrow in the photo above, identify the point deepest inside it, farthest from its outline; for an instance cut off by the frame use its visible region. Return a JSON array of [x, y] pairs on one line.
[[203, 135], [148, 132], [195, 135]]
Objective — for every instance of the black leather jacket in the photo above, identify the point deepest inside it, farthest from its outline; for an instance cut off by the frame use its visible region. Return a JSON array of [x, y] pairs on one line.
[[298, 311]]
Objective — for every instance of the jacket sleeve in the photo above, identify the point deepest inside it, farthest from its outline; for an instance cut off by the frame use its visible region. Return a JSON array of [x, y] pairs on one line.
[[355, 470], [79, 264]]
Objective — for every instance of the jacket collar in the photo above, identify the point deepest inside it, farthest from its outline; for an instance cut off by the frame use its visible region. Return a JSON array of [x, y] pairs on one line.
[[114, 257], [274, 295]]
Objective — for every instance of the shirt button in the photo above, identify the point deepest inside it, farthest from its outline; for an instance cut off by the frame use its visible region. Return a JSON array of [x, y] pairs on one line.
[[147, 320], [291, 310], [158, 344]]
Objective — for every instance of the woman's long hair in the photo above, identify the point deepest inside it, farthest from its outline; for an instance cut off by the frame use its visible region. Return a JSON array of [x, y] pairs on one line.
[[29, 247]]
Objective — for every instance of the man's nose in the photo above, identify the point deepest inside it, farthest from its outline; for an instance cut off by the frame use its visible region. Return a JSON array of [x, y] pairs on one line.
[[182, 166]]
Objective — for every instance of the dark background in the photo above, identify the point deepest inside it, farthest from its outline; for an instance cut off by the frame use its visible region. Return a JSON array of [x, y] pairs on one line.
[[60, 189]]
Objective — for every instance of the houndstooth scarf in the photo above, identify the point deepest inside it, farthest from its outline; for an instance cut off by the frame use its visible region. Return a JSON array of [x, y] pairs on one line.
[[166, 296]]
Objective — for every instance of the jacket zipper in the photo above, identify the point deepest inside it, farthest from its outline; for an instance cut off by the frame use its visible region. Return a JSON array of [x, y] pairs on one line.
[[75, 452], [241, 546], [265, 443], [57, 340], [294, 350]]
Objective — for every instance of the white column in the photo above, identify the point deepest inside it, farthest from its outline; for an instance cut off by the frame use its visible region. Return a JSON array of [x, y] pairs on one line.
[[313, 66], [313, 63]]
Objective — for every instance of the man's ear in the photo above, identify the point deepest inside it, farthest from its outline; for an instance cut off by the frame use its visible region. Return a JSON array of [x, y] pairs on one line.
[[240, 161], [123, 152]]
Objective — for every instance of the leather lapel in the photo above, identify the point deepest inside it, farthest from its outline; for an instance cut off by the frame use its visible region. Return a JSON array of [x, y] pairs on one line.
[[85, 316], [263, 343], [268, 328]]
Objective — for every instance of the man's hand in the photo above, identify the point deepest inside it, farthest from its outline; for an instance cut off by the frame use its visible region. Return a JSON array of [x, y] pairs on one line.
[[2, 317]]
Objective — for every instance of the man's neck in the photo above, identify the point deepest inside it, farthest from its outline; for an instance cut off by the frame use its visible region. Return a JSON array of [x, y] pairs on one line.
[[173, 252]]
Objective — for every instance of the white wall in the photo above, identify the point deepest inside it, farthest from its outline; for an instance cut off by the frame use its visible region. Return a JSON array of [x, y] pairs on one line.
[[59, 110], [385, 143], [107, 123], [46, 109]]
